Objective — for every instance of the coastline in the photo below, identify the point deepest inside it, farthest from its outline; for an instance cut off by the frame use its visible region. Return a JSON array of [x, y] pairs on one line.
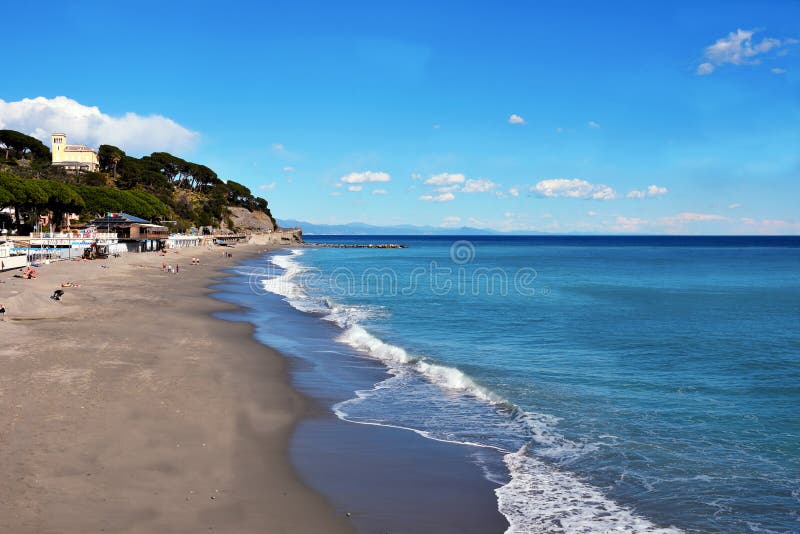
[[388, 479], [130, 408]]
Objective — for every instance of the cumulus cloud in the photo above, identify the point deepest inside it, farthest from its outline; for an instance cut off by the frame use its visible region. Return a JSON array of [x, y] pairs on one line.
[[514, 192], [704, 68], [651, 191], [379, 191], [628, 224], [593, 124], [355, 188], [446, 178], [738, 48], [366, 176], [442, 197], [268, 187], [687, 217], [288, 169], [573, 188], [135, 134], [771, 226], [480, 185], [516, 119]]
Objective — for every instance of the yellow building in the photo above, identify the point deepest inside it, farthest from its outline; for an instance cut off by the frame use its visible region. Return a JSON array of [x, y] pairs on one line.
[[73, 157]]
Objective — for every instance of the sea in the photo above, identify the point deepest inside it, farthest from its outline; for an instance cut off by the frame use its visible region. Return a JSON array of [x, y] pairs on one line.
[[636, 384]]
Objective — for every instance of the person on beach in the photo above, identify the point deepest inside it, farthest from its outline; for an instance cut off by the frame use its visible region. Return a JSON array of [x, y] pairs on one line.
[[177, 268], [2, 313]]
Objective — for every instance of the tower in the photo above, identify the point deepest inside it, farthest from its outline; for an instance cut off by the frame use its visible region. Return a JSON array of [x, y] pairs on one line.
[[57, 143]]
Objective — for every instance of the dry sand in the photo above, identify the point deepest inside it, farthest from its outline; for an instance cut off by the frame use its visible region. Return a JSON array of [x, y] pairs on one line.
[[126, 407]]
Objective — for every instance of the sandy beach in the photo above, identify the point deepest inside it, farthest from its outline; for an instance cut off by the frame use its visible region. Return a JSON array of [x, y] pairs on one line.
[[128, 408]]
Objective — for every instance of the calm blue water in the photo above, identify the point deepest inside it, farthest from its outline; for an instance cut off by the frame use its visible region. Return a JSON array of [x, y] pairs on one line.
[[610, 383]]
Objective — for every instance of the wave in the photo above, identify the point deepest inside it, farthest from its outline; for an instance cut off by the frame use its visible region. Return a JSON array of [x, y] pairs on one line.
[[537, 496]]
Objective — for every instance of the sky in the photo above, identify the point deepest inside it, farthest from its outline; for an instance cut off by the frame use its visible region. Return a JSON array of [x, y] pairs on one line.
[[601, 117]]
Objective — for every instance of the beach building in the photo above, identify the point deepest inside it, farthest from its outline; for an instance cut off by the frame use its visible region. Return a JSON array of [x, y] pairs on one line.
[[138, 234], [184, 241], [73, 157]]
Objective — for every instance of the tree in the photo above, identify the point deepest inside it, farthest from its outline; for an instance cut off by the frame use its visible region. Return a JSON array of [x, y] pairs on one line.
[[18, 144], [27, 194], [110, 156], [62, 199], [6, 198]]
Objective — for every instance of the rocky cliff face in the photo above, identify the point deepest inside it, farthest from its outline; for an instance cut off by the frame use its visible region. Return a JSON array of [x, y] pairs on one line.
[[251, 221]]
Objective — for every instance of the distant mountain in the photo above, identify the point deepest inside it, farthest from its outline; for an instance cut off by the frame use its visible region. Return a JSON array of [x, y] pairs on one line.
[[357, 228]]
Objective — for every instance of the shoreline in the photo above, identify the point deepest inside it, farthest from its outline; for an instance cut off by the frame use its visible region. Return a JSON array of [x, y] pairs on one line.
[[389, 479], [131, 407]]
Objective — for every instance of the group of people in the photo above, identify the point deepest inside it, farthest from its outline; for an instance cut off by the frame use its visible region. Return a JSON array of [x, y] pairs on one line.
[[167, 268]]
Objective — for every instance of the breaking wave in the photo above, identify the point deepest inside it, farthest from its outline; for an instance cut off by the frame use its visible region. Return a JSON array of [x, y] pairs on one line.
[[537, 495]]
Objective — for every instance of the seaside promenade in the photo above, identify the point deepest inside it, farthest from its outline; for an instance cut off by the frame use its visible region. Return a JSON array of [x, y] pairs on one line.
[[128, 408]]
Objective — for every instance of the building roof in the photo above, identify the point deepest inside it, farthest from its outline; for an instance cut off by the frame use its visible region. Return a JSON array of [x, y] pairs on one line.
[[118, 219]]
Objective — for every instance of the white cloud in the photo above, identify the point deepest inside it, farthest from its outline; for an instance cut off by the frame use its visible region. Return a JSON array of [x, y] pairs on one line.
[[447, 188], [443, 197], [514, 192], [651, 191], [366, 176], [628, 224], [379, 191], [593, 124], [559, 130], [450, 222], [516, 119], [416, 176], [737, 48], [136, 134], [288, 169], [268, 187], [278, 148], [704, 68], [563, 187], [445, 178], [336, 193], [480, 185], [591, 213], [734, 206], [771, 226], [687, 217], [436, 126], [777, 70], [355, 188]]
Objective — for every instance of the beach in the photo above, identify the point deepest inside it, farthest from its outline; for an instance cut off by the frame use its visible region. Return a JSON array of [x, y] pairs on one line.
[[128, 408]]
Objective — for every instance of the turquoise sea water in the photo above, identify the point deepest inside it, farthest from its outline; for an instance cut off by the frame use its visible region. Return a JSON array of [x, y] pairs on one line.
[[634, 383]]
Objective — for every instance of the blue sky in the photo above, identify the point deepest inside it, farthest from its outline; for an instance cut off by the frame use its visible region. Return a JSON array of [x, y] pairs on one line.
[[629, 116]]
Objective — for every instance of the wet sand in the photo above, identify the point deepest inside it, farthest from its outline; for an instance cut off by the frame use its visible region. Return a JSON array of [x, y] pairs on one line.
[[127, 408], [389, 480]]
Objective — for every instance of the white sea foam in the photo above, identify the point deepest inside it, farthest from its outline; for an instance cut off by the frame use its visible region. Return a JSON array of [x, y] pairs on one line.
[[540, 497], [283, 284]]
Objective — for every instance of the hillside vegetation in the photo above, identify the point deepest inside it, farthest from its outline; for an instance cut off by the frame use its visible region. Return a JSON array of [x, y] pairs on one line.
[[157, 187]]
